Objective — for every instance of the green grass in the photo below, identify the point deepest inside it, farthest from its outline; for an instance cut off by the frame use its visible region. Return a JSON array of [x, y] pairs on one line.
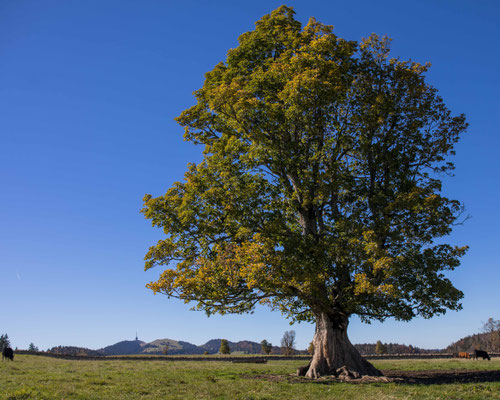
[[438, 364], [37, 377]]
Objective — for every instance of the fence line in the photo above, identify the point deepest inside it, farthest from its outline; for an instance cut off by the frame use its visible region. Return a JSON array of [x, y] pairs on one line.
[[230, 359]]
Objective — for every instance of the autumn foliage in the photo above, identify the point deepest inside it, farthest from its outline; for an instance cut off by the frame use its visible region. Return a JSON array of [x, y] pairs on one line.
[[319, 191]]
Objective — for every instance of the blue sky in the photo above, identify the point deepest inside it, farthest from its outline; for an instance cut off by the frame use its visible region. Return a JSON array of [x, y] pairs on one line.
[[88, 93]]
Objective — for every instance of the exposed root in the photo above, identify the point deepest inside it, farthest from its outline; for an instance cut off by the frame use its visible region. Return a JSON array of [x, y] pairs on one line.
[[302, 371], [344, 374]]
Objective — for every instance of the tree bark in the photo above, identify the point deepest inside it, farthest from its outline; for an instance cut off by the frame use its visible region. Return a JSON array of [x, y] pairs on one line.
[[333, 352]]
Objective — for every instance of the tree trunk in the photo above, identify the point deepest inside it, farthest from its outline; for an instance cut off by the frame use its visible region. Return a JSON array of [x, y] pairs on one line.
[[333, 352]]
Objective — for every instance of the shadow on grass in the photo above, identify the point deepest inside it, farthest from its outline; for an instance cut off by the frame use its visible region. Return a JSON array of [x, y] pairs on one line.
[[429, 377], [433, 377]]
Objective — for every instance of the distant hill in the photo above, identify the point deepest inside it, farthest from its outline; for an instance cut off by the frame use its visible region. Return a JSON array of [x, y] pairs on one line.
[[244, 347], [122, 348], [173, 347], [211, 347]]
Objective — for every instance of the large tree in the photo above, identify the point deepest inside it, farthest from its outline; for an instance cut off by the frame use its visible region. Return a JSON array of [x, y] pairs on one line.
[[319, 191], [492, 329], [4, 341], [288, 343]]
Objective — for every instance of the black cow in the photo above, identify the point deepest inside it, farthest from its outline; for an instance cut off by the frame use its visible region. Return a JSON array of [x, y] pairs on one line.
[[481, 353], [8, 353]]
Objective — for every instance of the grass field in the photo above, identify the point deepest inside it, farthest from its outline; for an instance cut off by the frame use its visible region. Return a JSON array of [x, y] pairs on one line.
[[37, 377]]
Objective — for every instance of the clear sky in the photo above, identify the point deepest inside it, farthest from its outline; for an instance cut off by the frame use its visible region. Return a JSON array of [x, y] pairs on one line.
[[88, 93]]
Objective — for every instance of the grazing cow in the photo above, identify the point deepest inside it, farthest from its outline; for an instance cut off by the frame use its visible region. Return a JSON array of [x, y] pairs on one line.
[[481, 353], [8, 353], [463, 354]]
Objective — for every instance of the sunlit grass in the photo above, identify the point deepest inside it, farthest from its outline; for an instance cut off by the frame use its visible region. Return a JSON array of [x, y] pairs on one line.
[[438, 364], [37, 377]]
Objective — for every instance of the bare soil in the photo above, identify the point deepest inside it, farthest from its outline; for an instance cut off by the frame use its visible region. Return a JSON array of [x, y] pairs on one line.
[[426, 377]]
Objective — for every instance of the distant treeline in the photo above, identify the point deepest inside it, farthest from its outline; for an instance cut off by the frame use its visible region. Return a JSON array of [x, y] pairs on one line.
[[467, 344], [393, 348], [243, 347], [74, 351]]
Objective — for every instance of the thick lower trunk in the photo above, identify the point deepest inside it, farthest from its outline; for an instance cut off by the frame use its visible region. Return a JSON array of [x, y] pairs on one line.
[[333, 352]]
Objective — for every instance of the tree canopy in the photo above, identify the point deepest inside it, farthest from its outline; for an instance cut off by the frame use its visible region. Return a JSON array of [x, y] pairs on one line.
[[266, 346], [288, 343], [319, 190], [492, 328], [32, 347], [224, 347], [380, 348], [4, 341]]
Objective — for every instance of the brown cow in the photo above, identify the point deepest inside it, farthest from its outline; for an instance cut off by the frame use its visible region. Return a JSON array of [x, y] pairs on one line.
[[463, 354]]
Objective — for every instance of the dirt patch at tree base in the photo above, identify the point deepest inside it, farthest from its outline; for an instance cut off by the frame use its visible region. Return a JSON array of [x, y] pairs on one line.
[[425, 377]]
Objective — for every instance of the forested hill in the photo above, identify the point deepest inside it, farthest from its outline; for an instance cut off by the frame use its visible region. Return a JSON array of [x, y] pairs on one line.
[[74, 351], [244, 346], [470, 343], [123, 348]]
